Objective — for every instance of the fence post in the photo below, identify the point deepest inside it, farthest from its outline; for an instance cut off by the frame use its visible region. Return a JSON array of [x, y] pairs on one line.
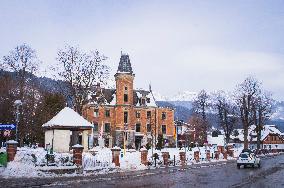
[[166, 158], [144, 154], [11, 149], [196, 156], [208, 155], [217, 155], [77, 154], [182, 158], [115, 155]]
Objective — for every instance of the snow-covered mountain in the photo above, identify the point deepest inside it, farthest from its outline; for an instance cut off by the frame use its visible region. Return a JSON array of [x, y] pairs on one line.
[[182, 101], [180, 96], [185, 96], [279, 112]]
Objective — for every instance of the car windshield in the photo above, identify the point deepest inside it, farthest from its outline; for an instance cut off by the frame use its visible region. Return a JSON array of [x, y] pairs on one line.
[[243, 155]]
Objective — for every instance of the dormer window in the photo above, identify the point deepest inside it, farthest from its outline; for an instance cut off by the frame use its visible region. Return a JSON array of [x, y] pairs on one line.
[[148, 100], [142, 101]]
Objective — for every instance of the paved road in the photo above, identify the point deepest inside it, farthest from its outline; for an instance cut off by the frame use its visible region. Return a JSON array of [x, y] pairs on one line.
[[222, 174]]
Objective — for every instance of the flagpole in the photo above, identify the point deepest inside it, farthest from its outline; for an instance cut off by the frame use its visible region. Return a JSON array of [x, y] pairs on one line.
[[124, 140]]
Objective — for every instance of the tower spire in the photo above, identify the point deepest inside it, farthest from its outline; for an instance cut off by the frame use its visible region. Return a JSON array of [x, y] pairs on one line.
[[124, 64]]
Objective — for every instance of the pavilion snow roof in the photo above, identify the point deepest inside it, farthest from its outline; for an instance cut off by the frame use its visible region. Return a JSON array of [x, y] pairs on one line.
[[68, 118]]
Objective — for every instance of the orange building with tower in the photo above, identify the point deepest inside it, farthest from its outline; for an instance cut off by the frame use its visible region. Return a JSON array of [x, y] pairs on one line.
[[127, 113]]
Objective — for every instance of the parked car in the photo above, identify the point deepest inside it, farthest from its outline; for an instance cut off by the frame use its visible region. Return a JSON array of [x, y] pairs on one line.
[[248, 158]]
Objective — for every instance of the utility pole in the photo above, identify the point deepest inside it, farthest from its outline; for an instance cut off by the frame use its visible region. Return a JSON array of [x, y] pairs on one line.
[[177, 133], [17, 103]]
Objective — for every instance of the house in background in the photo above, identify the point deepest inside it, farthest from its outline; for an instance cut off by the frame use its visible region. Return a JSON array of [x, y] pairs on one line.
[[271, 138], [185, 133], [129, 114], [217, 142], [66, 129]]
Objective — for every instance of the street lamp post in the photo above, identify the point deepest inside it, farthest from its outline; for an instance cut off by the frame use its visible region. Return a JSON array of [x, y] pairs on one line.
[[17, 103]]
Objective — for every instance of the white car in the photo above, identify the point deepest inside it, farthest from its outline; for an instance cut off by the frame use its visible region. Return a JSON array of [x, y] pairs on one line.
[[247, 158]]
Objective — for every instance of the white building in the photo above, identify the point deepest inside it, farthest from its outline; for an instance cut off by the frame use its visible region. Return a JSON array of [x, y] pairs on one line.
[[59, 131]]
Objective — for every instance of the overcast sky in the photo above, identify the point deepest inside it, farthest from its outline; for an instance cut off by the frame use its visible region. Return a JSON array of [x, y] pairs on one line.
[[174, 45]]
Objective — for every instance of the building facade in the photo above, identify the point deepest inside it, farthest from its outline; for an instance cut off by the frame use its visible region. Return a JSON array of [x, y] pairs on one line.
[[125, 114]]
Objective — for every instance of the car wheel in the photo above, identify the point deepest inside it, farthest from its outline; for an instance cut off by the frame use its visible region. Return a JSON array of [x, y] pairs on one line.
[[258, 165], [239, 166]]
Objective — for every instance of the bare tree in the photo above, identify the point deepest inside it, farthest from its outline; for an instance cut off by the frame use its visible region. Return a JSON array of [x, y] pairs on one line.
[[23, 61], [200, 127], [227, 113], [201, 103], [246, 94], [262, 111], [81, 71]]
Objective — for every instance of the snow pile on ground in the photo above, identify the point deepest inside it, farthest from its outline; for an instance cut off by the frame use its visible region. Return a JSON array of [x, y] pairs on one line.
[[24, 163], [27, 162], [131, 161], [97, 158]]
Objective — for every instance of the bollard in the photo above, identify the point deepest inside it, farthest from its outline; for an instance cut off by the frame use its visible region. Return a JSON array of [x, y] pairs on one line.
[[208, 155], [182, 158], [166, 158], [220, 149], [11, 149], [77, 154], [115, 155], [196, 156], [144, 154], [217, 155]]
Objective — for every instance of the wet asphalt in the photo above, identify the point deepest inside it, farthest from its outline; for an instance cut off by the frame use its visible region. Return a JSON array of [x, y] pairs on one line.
[[221, 174]]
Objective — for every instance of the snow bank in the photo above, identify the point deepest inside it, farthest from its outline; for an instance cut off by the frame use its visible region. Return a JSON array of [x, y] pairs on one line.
[[97, 158], [28, 162], [131, 161]]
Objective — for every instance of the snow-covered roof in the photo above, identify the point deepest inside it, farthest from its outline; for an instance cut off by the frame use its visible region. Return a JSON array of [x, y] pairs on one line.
[[267, 129], [67, 117]]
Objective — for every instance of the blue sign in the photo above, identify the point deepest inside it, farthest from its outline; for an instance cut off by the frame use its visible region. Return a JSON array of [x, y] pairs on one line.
[[8, 127]]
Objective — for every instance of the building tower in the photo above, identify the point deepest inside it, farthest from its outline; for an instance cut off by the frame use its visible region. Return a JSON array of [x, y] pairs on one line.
[[124, 101], [124, 81]]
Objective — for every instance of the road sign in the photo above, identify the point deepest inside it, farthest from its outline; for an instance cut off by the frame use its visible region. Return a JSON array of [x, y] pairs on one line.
[[7, 133], [7, 127]]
